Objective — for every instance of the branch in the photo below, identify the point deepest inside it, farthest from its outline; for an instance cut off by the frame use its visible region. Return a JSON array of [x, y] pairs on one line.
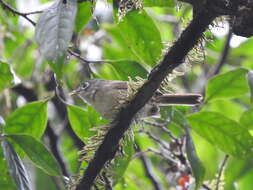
[[217, 68], [16, 12], [224, 55], [162, 126], [172, 59], [221, 171], [53, 143], [148, 170], [62, 112]]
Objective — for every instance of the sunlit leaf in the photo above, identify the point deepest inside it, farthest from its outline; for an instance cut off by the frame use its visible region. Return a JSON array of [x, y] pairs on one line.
[[225, 133], [82, 120], [37, 153], [141, 36], [122, 70], [30, 119], [227, 85], [16, 167]]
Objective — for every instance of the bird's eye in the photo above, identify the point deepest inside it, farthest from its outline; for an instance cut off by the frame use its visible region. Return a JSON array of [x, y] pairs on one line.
[[84, 85]]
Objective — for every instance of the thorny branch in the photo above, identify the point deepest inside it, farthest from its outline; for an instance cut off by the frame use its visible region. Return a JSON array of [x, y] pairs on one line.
[[172, 59]]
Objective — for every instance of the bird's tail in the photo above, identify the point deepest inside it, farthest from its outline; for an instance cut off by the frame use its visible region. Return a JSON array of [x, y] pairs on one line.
[[179, 99]]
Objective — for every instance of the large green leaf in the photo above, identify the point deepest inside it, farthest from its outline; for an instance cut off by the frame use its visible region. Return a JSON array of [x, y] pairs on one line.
[[84, 13], [225, 133], [30, 119], [227, 85], [142, 37], [6, 76], [38, 153], [82, 120], [246, 119]]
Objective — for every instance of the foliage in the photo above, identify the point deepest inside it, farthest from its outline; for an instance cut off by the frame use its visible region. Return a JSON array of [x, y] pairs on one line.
[[183, 148]]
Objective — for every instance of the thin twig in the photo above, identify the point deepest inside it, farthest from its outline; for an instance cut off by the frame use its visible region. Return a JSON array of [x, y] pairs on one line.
[[206, 187], [162, 127], [148, 170], [62, 112], [156, 139], [161, 154], [222, 61], [78, 56], [224, 55], [16, 12], [221, 171]]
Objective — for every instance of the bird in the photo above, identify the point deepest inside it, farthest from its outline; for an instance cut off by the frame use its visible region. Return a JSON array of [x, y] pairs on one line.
[[108, 96]]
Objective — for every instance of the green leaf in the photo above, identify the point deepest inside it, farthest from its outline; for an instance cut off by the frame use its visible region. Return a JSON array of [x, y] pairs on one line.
[[227, 85], [226, 107], [82, 120], [235, 169], [246, 119], [37, 153], [225, 133], [6, 76], [30, 119], [57, 66], [84, 13], [158, 3], [16, 167], [130, 68], [197, 167], [142, 37], [123, 70]]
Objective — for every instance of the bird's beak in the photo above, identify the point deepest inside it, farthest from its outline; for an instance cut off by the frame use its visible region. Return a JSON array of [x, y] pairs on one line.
[[75, 92]]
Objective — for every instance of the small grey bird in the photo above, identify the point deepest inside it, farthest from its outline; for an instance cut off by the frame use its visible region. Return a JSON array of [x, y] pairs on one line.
[[107, 96]]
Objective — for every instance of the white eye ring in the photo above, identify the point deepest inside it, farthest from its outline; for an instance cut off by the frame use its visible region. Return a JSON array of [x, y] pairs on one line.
[[85, 85]]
